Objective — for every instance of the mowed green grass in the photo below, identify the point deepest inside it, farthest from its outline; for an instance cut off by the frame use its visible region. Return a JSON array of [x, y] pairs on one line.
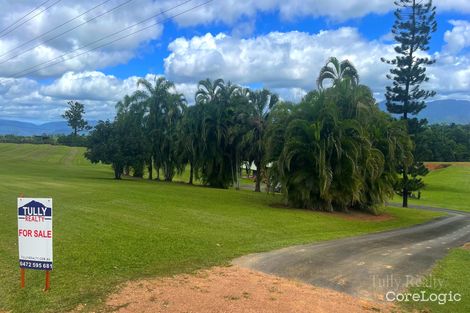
[[453, 272], [107, 232], [447, 187]]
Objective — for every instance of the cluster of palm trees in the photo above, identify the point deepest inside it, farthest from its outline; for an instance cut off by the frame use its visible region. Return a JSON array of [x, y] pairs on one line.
[[156, 131], [333, 151]]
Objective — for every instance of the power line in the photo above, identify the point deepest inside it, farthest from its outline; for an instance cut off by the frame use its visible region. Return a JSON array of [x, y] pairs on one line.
[[24, 16], [67, 31], [29, 19], [18, 74], [107, 36], [56, 27]]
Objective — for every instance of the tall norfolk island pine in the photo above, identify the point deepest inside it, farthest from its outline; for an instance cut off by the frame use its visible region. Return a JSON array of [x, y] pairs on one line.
[[414, 23]]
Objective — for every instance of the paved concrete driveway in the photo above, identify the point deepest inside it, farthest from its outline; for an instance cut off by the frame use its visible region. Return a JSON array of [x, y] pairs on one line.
[[371, 265]]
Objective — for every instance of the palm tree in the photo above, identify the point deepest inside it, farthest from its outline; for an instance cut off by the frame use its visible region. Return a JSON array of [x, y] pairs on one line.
[[156, 98], [131, 115], [337, 71], [189, 139], [261, 102], [172, 113], [122, 106], [339, 151], [215, 100]]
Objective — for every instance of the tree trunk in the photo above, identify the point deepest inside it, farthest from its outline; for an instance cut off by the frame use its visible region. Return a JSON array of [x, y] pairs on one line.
[[233, 174], [405, 187], [117, 173], [238, 171], [150, 169], [268, 181], [168, 172], [258, 177], [405, 113], [191, 173]]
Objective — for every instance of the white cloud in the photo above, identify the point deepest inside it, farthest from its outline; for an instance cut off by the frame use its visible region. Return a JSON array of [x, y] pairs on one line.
[[290, 61], [461, 6], [238, 14], [458, 38], [26, 99], [451, 75], [277, 60], [93, 85], [234, 10], [115, 53]]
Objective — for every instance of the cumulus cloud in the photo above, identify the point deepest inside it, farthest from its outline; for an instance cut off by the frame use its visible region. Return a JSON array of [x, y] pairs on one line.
[[277, 60], [87, 35], [239, 14], [290, 61], [27, 99], [459, 37], [234, 10], [93, 85]]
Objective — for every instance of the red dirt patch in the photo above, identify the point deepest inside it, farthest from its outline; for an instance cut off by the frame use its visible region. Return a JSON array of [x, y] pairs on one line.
[[233, 289], [436, 166], [466, 246]]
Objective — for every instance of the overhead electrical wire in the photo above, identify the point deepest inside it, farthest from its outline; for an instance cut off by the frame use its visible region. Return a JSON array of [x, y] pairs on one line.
[[109, 35], [56, 27], [67, 31], [29, 19], [27, 72], [24, 16]]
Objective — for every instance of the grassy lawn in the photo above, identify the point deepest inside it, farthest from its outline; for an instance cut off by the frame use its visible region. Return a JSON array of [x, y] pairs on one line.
[[108, 231], [447, 187], [453, 272]]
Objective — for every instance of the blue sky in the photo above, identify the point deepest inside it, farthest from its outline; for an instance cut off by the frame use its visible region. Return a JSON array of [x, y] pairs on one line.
[[275, 44]]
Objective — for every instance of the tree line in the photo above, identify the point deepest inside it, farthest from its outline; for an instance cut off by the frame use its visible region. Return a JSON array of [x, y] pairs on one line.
[[64, 140], [335, 150], [443, 143], [435, 142]]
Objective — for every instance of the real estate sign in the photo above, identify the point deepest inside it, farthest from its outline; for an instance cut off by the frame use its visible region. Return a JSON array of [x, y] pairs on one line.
[[35, 233]]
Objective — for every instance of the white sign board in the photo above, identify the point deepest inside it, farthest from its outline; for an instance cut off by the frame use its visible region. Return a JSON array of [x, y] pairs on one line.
[[35, 233]]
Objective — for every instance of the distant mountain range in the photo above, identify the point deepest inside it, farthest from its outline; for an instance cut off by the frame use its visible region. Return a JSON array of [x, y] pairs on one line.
[[11, 127], [444, 111], [439, 111]]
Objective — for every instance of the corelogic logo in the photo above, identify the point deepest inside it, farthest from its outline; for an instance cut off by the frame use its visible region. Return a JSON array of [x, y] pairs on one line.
[[423, 296], [392, 286]]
